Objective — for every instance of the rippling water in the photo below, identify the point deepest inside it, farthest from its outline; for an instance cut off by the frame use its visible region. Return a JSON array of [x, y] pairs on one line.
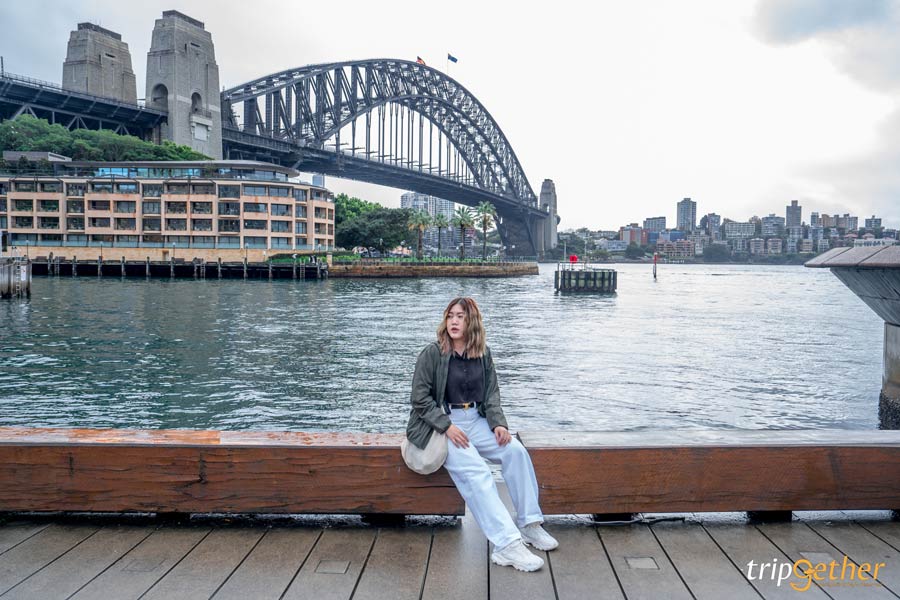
[[705, 346]]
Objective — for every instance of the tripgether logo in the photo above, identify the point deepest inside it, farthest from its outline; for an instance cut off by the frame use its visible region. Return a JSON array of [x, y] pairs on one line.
[[831, 573]]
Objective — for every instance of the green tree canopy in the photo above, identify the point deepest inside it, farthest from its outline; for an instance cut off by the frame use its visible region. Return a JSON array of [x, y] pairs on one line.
[[28, 134], [381, 228], [348, 207], [634, 251], [716, 253]]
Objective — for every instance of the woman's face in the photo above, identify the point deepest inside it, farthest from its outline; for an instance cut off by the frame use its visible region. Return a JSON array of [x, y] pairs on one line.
[[456, 323]]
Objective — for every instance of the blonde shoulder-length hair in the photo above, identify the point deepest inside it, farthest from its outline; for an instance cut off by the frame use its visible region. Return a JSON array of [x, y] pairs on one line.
[[474, 333]]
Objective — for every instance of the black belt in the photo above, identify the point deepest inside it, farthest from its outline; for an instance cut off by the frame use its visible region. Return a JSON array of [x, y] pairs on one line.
[[465, 405]]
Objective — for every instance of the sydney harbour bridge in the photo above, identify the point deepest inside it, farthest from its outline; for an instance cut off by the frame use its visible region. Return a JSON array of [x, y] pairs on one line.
[[384, 121]]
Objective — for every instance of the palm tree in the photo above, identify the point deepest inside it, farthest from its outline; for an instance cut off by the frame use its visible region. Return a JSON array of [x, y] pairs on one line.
[[419, 221], [485, 213], [463, 219], [440, 221]]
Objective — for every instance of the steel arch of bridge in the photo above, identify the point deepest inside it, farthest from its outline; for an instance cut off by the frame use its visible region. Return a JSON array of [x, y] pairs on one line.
[[310, 105]]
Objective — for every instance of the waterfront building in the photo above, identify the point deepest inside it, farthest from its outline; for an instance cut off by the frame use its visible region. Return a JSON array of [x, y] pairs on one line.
[[631, 234], [612, 246], [318, 180], [870, 240], [822, 245], [794, 217], [873, 223], [167, 204], [826, 221], [687, 215], [713, 225], [737, 234], [773, 246], [676, 249], [654, 223], [795, 232], [816, 232], [791, 246], [846, 222], [671, 235], [773, 226], [805, 246], [757, 246], [700, 241], [608, 234], [815, 220]]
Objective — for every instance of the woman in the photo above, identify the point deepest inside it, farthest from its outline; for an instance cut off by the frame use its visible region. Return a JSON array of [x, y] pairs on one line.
[[455, 392]]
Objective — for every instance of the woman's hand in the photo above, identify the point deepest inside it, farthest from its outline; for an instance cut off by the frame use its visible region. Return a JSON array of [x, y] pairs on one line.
[[502, 435], [456, 435]]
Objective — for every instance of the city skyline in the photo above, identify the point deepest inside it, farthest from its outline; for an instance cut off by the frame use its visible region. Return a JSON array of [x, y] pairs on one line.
[[737, 105]]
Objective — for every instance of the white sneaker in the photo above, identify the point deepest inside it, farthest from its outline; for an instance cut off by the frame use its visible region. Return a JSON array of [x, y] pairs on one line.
[[536, 536], [518, 556]]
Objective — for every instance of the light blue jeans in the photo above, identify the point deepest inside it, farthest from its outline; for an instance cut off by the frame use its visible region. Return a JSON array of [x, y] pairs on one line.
[[475, 482]]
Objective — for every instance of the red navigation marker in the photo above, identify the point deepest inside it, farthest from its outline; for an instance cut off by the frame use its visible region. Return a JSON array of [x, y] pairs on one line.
[[573, 259]]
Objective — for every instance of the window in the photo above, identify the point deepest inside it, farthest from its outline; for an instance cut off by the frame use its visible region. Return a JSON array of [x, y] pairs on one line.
[[148, 207], [254, 207], [299, 195], [229, 226], [152, 238], [3, 224], [126, 206], [201, 224], [229, 242], [48, 205], [76, 237], [203, 241], [130, 240], [176, 224], [178, 188], [75, 206], [279, 242], [299, 227], [230, 208], [152, 224], [102, 186], [2, 205], [127, 188], [75, 223], [54, 187], [23, 205], [320, 213], [300, 212], [98, 222], [51, 237], [281, 226], [254, 224], [229, 191], [125, 223], [3, 187], [204, 189], [281, 210], [99, 205], [255, 190], [281, 192], [152, 190], [26, 186], [75, 189], [48, 222], [23, 222], [203, 208], [254, 242], [179, 208]]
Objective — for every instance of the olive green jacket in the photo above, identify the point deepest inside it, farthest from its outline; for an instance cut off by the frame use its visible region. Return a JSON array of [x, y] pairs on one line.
[[430, 411]]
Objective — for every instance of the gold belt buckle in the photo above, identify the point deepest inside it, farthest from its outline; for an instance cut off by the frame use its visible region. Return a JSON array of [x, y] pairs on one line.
[[466, 405]]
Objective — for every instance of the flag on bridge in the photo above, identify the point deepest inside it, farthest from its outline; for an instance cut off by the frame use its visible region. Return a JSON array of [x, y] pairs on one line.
[[420, 61], [451, 58]]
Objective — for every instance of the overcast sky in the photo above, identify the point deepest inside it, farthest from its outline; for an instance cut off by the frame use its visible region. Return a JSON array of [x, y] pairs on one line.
[[741, 105]]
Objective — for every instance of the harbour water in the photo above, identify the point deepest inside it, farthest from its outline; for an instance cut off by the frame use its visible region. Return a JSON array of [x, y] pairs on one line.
[[705, 346]]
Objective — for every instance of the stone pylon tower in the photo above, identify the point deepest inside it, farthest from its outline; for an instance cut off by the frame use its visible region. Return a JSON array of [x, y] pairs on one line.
[[183, 79], [548, 205], [98, 63]]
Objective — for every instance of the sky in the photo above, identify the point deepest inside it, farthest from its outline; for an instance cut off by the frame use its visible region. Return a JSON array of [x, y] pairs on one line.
[[628, 107]]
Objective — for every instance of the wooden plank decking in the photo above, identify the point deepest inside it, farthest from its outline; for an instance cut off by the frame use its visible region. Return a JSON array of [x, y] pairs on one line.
[[703, 557]]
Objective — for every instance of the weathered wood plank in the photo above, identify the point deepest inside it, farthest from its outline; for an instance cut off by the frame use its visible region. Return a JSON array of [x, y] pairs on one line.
[[38, 551], [75, 568], [798, 542], [580, 567], [270, 567], [863, 548], [12, 534], [691, 479], [146, 564], [457, 550], [640, 563], [705, 569], [205, 567], [170, 478], [332, 570], [745, 543], [714, 438], [886, 530], [396, 566]]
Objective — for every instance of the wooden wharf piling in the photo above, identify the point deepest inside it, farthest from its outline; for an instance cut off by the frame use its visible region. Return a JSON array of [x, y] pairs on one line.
[[15, 277], [578, 277], [180, 268]]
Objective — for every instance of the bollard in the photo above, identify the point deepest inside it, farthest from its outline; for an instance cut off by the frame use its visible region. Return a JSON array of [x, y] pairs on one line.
[[99, 266], [220, 267], [123, 266], [195, 267], [294, 270], [270, 270], [147, 267], [74, 266], [245, 267]]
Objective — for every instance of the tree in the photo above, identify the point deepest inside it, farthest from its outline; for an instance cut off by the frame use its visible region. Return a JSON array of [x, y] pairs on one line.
[[380, 228], [463, 219], [485, 213], [440, 221], [716, 253], [634, 251], [348, 207], [419, 221]]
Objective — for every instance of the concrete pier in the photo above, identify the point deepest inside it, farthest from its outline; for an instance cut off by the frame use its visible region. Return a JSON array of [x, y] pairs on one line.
[[873, 274]]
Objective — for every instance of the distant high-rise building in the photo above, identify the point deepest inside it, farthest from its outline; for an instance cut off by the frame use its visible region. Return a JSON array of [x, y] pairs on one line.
[[631, 234], [873, 223], [772, 226], [686, 219], [826, 221], [318, 180], [814, 220], [713, 223], [655, 223], [433, 206], [794, 214]]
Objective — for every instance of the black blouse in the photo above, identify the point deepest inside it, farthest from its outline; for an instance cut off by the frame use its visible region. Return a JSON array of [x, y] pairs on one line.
[[465, 380]]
